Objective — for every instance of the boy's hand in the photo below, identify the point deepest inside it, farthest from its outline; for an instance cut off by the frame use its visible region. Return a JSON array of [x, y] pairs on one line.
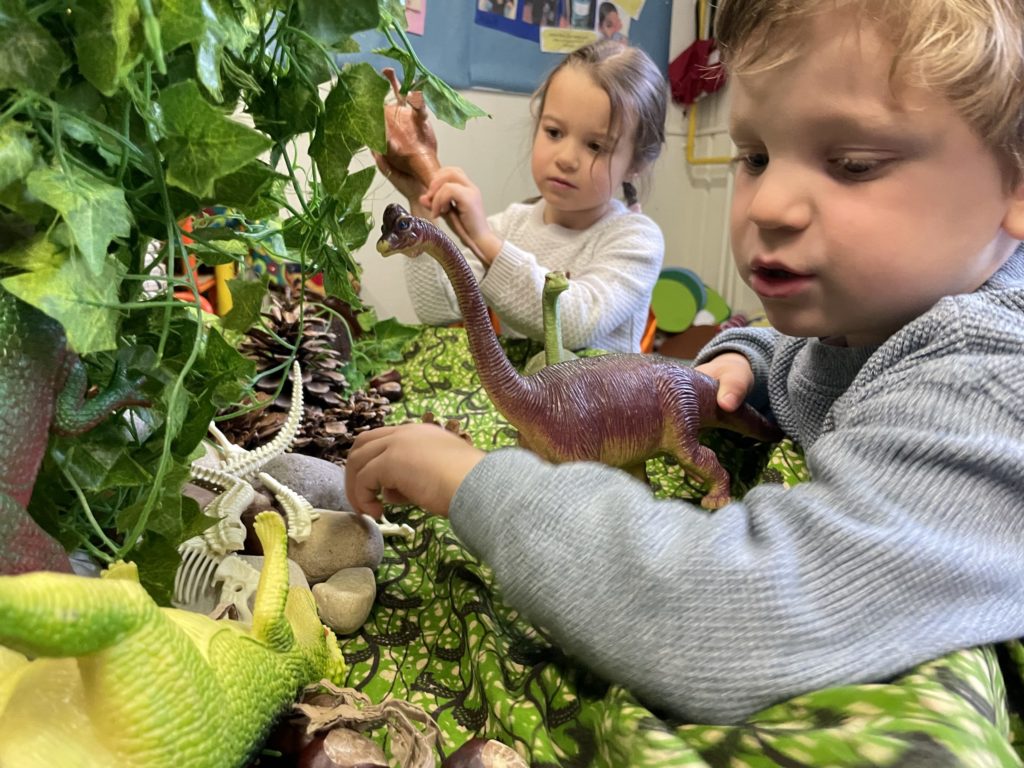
[[419, 464], [735, 378], [452, 193]]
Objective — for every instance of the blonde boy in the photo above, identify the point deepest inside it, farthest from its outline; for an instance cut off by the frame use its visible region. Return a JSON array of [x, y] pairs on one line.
[[878, 213]]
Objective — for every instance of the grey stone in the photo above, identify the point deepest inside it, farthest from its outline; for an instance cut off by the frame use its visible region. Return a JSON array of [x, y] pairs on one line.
[[338, 540], [345, 599], [321, 482]]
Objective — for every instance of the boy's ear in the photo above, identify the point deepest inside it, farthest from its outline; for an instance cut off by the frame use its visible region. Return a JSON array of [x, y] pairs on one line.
[[1013, 221]]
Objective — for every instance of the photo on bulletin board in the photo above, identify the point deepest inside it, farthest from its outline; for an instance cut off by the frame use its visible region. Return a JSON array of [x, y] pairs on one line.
[[522, 18], [584, 21], [476, 45]]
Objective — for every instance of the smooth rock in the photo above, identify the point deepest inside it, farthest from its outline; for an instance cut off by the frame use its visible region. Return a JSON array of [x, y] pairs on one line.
[[321, 482], [484, 753], [344, 600], [338, 540]]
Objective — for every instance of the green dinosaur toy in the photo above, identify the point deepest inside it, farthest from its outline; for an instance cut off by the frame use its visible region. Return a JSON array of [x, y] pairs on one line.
[[555, 284], [42, 387], [118, 681]]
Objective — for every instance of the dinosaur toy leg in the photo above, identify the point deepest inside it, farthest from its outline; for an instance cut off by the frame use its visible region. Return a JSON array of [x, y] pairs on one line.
[[682, 427], [26, 546], [74, 414]]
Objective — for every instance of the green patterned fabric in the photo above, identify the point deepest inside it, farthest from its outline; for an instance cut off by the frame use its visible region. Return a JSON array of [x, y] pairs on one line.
[[441, 637]]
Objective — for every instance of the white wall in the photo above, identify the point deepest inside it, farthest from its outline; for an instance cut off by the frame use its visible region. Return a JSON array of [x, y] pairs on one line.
[[689, 202]]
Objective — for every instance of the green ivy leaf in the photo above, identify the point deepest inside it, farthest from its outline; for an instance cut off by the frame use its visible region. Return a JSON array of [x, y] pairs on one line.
[[158, 560], [353, 191], [16, 153], [353, 118], [182, 21], [222, 30], [95, 212], [448, 104], [30, 59], [255, 190], [109, 41], [353, 230], [246, 301], [445, 102], [393, 12], [332, 20], [37, 254], [287, 108], [202, 143], [78, 300], [165, 518]]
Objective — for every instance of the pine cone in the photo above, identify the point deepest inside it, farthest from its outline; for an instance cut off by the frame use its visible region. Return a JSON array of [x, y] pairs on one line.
[[331, 419]]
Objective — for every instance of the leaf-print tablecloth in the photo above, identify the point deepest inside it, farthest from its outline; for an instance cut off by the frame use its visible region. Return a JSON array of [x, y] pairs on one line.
[[440, 636]]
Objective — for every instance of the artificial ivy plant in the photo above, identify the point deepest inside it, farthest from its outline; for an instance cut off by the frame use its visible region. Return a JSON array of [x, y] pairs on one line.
[[118, 120]]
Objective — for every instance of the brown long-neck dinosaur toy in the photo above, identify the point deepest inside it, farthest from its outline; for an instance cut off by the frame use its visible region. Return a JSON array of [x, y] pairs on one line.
[[620, 409]]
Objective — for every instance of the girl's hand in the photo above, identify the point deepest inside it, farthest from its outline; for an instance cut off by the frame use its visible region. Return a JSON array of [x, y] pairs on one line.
[[451, 193], [419, 464], [405, 183], [735, 377]]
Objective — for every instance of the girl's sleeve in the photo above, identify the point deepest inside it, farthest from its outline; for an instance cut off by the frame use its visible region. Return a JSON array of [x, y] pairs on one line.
[[602, 296], [905, 545]]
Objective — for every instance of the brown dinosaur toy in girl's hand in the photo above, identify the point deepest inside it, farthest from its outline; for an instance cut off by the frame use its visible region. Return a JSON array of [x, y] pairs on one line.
[[412, 150]]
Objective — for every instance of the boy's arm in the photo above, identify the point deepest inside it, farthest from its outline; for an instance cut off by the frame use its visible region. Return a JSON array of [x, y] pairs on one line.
[[905, 545]]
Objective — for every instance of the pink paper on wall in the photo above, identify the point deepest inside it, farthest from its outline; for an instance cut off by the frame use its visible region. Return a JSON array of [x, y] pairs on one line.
[[415, 15]]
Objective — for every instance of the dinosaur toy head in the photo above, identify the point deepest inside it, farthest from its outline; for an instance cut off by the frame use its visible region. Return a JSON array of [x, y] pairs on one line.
[[400, 232], [556, 282]]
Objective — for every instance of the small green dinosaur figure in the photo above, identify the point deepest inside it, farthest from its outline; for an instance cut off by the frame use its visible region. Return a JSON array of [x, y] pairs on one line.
[[555, 284], [42, 387], [119, 681]]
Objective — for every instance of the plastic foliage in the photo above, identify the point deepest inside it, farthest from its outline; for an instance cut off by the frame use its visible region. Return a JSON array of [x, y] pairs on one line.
[[118, 120]]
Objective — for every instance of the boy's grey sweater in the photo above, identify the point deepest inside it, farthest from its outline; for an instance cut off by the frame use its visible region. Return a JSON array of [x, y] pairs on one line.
[[907, 543]]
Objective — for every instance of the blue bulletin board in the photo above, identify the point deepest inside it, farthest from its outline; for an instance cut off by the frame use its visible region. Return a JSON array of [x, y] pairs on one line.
[[466, 54]]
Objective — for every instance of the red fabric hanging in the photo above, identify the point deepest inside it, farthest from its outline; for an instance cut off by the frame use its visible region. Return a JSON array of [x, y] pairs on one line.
[[695, 72]]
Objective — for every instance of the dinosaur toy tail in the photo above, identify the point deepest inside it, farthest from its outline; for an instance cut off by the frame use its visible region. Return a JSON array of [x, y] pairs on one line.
[[749, 422]]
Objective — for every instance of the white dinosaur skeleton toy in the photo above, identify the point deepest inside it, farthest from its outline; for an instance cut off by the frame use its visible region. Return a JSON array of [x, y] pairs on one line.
[[207, 558]]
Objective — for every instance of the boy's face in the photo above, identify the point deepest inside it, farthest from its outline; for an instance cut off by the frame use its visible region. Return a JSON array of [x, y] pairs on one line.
[[856, 207]]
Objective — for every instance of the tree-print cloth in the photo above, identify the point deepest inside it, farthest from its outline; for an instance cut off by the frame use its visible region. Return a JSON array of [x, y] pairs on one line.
[[440, 636]]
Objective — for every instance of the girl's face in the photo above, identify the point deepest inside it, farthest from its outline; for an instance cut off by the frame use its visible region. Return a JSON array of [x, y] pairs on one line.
[[859, 202], [573, 163]]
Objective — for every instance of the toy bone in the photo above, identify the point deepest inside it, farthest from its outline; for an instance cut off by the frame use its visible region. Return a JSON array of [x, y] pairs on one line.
[[42, 387], [239, 581], [203, 556], [620, 409], [232, 478], [555, 284], [118, 681], [412, 146]]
